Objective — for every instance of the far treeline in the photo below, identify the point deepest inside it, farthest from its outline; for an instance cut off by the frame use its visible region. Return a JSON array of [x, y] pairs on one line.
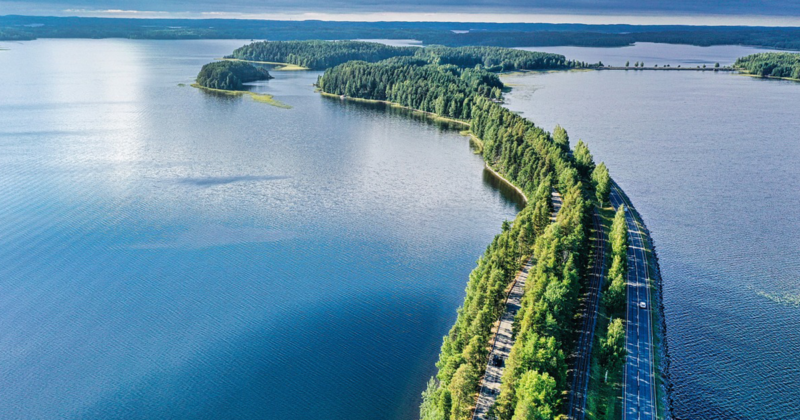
[[535, 379], [773, 64], [324, 54], [492, 34], [230, 75]]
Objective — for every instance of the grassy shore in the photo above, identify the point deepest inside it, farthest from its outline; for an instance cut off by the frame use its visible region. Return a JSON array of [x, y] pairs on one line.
[[278, 66], [746, 73], [258, 97], [603, 398]]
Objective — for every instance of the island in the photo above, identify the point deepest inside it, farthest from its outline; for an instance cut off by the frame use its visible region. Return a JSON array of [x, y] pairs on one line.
[[778, 65], [230, 75]]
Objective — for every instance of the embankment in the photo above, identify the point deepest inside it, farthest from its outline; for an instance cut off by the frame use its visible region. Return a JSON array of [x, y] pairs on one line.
[[661, 354]]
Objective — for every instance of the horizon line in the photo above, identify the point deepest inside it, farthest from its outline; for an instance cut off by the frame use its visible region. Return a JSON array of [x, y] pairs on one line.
[[444, 17]]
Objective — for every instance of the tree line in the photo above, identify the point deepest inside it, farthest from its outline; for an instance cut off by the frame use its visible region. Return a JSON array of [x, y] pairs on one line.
[[612, 348], [318, 54], [774, 64], [446, 90], [230, 75], [499, 34], [496, 58], [325, 54]]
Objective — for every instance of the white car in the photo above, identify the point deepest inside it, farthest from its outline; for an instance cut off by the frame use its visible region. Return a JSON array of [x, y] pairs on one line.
[[643, 305]]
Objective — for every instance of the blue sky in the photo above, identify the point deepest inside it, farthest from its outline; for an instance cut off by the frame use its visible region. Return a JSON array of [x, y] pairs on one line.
[[757, 12]]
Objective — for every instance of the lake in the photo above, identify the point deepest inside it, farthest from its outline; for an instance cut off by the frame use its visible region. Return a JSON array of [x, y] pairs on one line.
[[168, 253], [710, 160]]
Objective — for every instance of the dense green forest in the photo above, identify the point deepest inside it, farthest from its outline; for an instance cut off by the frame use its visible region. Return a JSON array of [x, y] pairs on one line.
[[430, 33], [230, 75], [771, 65], [317, 54], [536, 161], [495, 58], [448, 91]]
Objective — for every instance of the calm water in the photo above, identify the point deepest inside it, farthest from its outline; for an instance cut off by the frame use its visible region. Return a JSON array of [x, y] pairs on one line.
[[165, 253], [656, 54], [711, 162]]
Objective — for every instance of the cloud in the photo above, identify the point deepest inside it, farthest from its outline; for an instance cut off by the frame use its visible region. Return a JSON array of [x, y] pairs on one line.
[[185, 8]]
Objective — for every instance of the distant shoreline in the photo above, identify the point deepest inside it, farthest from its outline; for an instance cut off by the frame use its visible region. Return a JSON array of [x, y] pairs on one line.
[[670, 68]]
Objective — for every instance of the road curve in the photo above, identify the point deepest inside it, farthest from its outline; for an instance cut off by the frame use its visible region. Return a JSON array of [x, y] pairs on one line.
[[582, 358], [504, 338], [639, 396]]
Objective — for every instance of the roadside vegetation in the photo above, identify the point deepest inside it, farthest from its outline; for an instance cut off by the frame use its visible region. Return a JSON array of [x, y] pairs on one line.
[[774, 64], [603, 398]]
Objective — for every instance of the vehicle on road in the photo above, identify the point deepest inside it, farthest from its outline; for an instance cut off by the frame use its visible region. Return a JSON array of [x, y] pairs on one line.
[[643, 305], [497, 361]]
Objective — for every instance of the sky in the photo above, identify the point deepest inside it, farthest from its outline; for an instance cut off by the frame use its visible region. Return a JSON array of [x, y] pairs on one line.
[[716, 12]]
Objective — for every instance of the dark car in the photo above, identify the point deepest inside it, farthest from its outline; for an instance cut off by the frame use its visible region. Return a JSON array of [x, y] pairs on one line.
[[497, 361]]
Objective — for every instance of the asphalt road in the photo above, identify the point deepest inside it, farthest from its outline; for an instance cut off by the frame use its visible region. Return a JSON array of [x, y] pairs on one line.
[[504, 338], [638, 393], [582, 358]]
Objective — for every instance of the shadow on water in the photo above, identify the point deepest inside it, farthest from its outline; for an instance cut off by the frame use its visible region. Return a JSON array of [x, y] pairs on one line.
[[507, 192]]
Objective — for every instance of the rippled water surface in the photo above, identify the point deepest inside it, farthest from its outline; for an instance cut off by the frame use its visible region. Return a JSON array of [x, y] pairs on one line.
[[166, 253], [711, 162]]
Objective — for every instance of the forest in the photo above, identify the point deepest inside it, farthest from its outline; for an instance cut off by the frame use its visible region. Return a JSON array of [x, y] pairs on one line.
[[230, 75], [318, 55], [324, 54], [773, 64], [446, 90], [430, 33], [537, 162], [495, 58]]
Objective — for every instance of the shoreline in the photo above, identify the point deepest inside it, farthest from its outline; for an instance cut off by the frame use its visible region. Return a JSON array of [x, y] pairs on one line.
[[258, 97], [755, 76], [432, 115], [661, 360], [438, 118], [279, 66], [506, 181], [716, 69], [663, 403]]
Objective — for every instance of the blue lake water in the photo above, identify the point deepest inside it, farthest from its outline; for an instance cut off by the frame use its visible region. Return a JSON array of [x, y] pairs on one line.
[[167, 253], [711, 162]]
